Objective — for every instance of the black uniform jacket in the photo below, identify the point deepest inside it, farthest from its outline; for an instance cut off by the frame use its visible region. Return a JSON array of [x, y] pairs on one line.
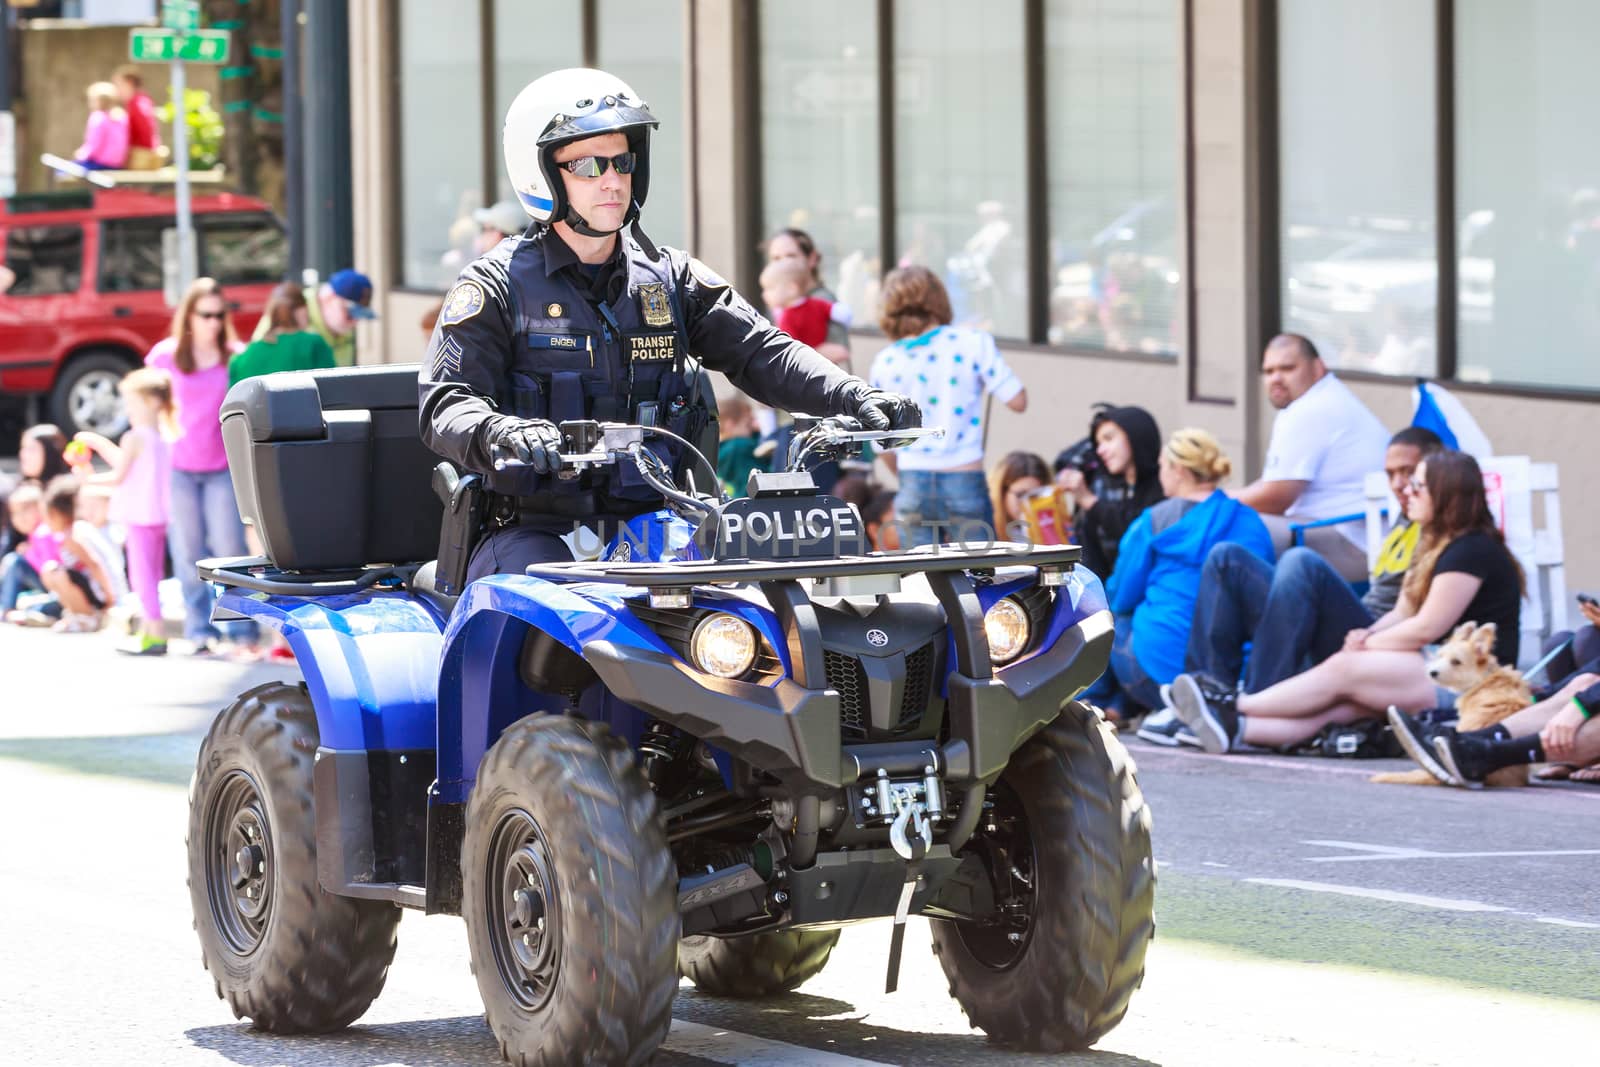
[[527, 328]]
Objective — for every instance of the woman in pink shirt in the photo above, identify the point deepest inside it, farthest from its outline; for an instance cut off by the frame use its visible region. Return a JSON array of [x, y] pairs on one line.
[[105, 138], [202, 514]]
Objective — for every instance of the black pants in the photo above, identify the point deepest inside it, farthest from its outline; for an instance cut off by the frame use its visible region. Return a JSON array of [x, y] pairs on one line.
[[515, 549]]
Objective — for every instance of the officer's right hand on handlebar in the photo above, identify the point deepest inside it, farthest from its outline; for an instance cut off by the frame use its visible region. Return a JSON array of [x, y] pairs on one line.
[[531, 443]]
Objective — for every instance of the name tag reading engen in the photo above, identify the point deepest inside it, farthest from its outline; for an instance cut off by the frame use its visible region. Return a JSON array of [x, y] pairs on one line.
[[796, 528], [649, 347]]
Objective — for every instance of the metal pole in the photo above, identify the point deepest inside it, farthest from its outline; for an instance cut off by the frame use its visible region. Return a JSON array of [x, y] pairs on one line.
[[294, 176], [8, 127], [180, 153]]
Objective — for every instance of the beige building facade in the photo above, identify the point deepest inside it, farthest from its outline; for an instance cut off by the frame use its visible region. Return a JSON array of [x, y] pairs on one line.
[[1132, 194]]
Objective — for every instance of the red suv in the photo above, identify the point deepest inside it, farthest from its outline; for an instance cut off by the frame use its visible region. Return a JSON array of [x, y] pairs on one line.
[[87, 302]]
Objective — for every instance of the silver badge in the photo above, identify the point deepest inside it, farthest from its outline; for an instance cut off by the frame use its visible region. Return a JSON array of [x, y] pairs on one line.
[[877, 638]]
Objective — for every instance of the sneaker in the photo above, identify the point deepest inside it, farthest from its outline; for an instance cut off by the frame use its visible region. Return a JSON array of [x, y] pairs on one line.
[[1208, 708], [1164, 728], [1166, 695], [1417, 739], [144, 645], [1461, 758]]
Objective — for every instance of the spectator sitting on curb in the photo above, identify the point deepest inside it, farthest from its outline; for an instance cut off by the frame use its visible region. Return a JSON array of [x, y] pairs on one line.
[[1017, 475], [80, 579], [32, 546], [1462, 572], [1296, 614], [883, 531], [41, 457], [1152, 591], [948, 371], [1129, 447], [332, 309], [287, 344], [1324, 441], [1563, 728]]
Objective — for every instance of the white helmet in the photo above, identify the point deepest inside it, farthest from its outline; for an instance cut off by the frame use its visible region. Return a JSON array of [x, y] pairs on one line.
[[564, 106]]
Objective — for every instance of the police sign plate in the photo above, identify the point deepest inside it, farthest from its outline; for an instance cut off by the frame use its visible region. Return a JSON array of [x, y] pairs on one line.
[[786, 528]]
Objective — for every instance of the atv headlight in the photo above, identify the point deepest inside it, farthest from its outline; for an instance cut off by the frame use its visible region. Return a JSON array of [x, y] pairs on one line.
[[1008, 628], [724, 645]]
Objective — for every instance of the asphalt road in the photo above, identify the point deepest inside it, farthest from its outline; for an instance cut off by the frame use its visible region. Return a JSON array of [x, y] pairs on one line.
[[1305, 916]]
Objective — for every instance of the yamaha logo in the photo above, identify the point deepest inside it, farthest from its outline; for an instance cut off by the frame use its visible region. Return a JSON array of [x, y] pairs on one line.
[[877, 638]]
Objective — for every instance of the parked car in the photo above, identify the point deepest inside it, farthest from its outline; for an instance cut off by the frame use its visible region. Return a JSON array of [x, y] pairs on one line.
[[87, 301]]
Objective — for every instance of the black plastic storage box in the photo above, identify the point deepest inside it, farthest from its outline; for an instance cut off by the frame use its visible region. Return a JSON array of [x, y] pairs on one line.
[[329, 468]]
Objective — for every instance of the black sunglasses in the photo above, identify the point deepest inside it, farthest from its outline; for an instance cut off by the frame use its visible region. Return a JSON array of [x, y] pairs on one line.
[[594, 166], [211, 314]]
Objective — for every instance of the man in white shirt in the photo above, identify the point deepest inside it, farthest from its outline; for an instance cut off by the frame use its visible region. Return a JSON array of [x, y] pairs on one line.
[[1324, 443]]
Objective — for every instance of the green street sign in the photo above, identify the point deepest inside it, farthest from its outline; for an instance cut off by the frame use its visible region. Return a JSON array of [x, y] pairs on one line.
[[180, 14], [159, 46]]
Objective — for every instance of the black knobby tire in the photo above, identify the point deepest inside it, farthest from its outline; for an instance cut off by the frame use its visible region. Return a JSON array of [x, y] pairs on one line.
[[286, 955], [1069, 979], [760, 965], [570, 897]]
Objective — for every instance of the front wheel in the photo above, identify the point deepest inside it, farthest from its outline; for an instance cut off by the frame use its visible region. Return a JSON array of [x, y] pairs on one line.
[[570, 897], [1067, 844], [285, 954], [760, 965]]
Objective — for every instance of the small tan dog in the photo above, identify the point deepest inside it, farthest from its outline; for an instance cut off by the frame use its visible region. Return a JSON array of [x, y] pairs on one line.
[[1485, 693]]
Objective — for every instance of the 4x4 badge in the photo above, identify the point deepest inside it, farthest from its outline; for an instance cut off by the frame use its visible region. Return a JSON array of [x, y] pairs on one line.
[[877, 638]]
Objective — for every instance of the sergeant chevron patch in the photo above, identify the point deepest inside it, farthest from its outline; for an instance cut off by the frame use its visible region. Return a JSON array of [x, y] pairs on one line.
[[447, 357]]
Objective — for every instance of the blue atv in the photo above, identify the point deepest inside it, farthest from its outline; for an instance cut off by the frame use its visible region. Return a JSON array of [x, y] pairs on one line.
[[699, 751]]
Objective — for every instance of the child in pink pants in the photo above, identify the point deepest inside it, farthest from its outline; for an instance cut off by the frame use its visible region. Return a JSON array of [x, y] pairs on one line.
[[141, 469]]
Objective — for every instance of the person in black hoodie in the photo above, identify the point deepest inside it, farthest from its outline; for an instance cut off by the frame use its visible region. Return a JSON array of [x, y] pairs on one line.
[[1127, 482]]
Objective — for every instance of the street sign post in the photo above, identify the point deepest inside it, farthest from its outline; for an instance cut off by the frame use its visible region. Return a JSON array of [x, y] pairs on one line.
[[180, 41]]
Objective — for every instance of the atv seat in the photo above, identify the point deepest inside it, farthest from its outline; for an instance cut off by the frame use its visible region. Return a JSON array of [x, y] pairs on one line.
[[329, 468]]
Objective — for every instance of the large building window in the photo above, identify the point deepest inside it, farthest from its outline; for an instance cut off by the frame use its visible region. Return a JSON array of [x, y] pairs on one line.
[[819, 138], [1112, 107], [523, 53], [642, 42], [441, 140], [1527, 193], [960, 165], [1356, 137]]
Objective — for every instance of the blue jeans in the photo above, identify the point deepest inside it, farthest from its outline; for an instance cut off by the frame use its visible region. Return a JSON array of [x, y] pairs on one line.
[[1292, 617], [1125, 685], [933, 507], [16, 576], [203, 522]]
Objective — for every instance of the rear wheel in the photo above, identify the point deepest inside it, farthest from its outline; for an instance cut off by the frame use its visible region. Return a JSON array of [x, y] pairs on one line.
[[85, 396], [760, 965], [1067, 845], [570, 897], [285, 954]]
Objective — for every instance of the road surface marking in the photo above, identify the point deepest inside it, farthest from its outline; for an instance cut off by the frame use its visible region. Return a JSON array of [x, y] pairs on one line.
[[1441, 903], [1388, 852], [1570, 922], [730, 1046]]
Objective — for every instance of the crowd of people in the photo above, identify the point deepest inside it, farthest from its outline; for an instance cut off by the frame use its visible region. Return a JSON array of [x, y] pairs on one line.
[[1246, 619], [122, 131], [92, 527]]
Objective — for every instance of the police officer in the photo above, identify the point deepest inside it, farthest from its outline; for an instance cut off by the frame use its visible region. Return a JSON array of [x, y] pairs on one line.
[[582, 317]]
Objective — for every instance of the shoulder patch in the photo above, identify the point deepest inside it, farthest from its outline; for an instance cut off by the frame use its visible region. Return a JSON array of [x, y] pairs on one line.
[[463, 302], [705, 275]]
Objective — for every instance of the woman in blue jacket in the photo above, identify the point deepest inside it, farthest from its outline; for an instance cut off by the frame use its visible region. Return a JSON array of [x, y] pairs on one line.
[[1152, 590]]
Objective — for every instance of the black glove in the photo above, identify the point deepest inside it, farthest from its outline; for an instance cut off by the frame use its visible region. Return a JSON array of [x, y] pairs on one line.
[[531, 443], [880, 411]]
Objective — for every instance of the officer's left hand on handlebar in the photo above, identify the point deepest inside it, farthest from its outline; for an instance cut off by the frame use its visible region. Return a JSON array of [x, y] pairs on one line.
[[531, 443], [881, 411]]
